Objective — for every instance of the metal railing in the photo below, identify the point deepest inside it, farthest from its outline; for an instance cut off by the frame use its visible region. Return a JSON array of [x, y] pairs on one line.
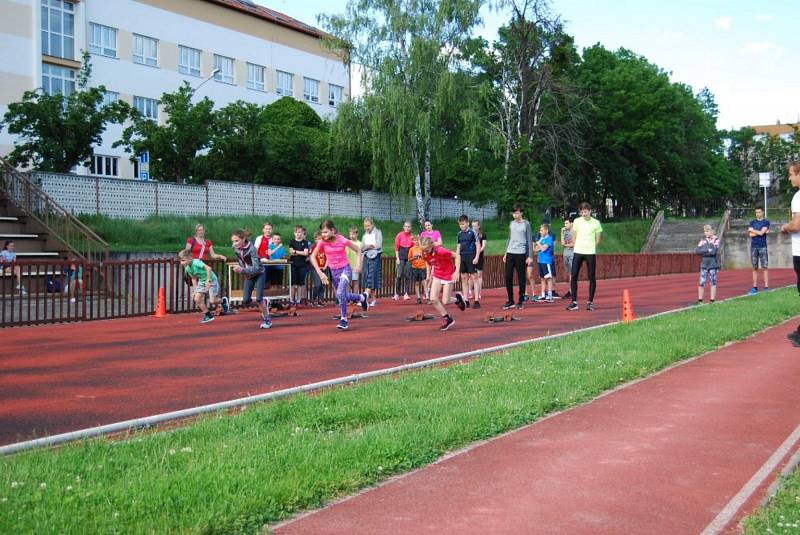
[[61, 225], [38, 292], [655, 228]]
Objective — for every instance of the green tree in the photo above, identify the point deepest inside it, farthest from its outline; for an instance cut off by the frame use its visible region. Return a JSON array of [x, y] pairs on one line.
[[409, 50], [57, 132], [174, 145], [752, 154], [237, 148]]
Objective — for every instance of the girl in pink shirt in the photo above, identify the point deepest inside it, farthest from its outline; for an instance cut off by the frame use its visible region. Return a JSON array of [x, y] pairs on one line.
[[334, 246], [402, 244], [444, 267]]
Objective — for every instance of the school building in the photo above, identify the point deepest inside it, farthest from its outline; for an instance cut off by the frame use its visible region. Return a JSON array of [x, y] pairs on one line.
[[784, 131], [141, 49]]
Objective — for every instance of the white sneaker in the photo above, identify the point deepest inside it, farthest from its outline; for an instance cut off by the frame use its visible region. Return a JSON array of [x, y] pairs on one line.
[[395, 297], [373, 303], [71, 299]]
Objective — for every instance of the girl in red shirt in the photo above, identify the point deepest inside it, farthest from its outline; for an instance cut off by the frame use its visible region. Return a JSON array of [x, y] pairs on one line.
[[444, 267]]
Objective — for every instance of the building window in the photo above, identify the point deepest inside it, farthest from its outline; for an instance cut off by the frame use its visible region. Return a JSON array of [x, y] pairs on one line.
[[285, 83], [335, 95], [147, 107], [225, 69], [311, 90], [255, 77], [109, 97], [57, 79], [145, 50], [188, 60], [102, 40], [105, 165], [58, 29]]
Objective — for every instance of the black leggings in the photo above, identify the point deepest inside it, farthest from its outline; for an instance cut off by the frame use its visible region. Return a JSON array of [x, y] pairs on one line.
[[796, 263], [591, 265], [515, 262]]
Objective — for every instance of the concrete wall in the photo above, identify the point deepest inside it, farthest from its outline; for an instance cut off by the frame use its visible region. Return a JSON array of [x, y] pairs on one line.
[[737, 247]]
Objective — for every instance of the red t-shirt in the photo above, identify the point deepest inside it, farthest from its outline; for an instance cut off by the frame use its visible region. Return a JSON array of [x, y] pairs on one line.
[[335, 251], [199, 250], [441, 262], [263, 248]]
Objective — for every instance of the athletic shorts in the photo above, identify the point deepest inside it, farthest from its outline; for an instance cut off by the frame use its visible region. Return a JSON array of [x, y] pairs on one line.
[[708, 274], [568, 256], [418, 274], [466, 264], [443, 281], [212, 290], [298, 275], [759, 255], [547, 271]]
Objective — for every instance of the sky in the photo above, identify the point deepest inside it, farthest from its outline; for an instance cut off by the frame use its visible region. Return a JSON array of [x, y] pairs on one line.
[[744, 51]]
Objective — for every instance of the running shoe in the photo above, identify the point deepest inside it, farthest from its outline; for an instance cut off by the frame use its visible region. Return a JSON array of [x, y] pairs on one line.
[[520, 306], [476, 305], [406, 297], [447, 322], [395, 297], [794, 337], [572, 306], [753, 290], [226, 305], [428, 301], [342, 324], [266, 324], [419, 300], [536, 299], [207, 317], [555, 294], [364, 301], [373, 303], [508, 304], [589, 306], [549, 299], [460, 303], [71, 299], [524, 298]]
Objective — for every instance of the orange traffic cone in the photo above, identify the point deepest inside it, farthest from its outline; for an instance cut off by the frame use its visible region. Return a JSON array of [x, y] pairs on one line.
[[627, 307], [161, 305]]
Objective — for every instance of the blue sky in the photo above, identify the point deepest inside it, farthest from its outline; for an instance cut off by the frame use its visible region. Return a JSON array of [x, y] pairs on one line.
[[746, 52]]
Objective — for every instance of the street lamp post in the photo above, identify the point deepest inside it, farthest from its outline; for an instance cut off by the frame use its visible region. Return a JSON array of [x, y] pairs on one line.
[[210, 76]]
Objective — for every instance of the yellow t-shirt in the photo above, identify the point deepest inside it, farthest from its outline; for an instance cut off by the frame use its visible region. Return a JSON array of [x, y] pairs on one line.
[[586, 235], [352, 256]]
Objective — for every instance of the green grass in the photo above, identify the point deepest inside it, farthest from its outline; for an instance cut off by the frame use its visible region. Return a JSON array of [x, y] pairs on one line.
[[166, 234], [781, 514], [233, 474]]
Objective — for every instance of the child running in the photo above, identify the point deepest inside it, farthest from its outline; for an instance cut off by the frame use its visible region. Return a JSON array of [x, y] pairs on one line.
[[445, 267], [333, 246], [708, 248], [204, 283], [419, 269], [252, 272]]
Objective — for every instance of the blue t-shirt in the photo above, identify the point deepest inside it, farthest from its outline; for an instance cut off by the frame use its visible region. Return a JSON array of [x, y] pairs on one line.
[[759, 241], [277, 253], [546, 257], [468, 241]]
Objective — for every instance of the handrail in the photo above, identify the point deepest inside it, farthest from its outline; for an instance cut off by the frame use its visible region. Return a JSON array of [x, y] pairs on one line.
[[655, 228], [724, 224], [79, 239]]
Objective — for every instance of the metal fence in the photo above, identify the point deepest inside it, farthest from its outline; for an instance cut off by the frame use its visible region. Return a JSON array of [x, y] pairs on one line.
[[66, 291]]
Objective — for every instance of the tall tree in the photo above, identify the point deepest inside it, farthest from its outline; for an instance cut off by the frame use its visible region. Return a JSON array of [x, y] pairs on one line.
[[56, 131], [175, 144], [409, 50]]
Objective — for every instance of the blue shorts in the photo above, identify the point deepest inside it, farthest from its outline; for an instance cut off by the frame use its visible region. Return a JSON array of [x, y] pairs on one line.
[[547, 271]]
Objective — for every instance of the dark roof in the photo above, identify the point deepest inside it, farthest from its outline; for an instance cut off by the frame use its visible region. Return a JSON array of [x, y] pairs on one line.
[[251, 8]]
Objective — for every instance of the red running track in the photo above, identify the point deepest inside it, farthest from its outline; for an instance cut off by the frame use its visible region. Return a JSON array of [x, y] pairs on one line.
[[672, 454], [60, 378]]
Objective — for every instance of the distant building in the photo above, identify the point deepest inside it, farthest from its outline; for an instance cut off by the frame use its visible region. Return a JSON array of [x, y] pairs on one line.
[[784, 131], [143, 48]]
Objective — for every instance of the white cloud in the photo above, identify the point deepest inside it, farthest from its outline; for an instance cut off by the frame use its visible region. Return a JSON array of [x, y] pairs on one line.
[[759, 47], [723, 23], [764, 18]]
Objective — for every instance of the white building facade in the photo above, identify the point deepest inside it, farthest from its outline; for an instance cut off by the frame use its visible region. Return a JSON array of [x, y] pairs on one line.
[[141, 49]]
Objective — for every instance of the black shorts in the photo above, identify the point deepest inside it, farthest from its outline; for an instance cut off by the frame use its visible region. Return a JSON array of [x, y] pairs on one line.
[[547, 271], [480, 262], [466, 264], [298, 275], [418, 274]]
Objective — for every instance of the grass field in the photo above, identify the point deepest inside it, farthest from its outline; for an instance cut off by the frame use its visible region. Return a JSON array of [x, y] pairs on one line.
[[782, 514], [233, 474], [164, 234]]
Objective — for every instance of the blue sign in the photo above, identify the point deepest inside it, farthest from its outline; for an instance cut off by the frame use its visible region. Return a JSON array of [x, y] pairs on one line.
[[144, 157], [144, 176]]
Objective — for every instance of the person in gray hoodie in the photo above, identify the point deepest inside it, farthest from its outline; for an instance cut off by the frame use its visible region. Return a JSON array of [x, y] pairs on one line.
[[519, 253], [708, 249], [252, 272]]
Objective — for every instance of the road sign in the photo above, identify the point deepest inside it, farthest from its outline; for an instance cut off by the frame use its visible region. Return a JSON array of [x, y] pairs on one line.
[[764, 180], [144, 157], [144, 176]]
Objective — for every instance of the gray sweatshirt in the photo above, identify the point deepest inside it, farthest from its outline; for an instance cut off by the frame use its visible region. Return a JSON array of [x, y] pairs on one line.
[[708, 248], [520, 237]]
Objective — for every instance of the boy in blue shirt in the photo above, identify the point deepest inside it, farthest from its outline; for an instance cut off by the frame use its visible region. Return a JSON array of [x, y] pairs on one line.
[[544, 247], [758, 230]]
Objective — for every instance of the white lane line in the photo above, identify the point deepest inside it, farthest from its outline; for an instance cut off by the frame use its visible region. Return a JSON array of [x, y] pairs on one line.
[[732, 508]]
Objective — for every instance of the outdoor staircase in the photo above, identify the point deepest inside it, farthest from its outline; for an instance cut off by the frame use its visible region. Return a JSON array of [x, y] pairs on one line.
[[681, 236]]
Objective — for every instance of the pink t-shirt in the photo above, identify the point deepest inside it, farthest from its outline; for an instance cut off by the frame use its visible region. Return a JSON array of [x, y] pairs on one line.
[[335, 251], [434, 235], [403, 239], [441, 261]]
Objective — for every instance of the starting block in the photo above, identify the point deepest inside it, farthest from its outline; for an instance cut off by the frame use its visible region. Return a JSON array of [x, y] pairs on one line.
[[420, 315], [354, 311], [507, 316], [276, 312]]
